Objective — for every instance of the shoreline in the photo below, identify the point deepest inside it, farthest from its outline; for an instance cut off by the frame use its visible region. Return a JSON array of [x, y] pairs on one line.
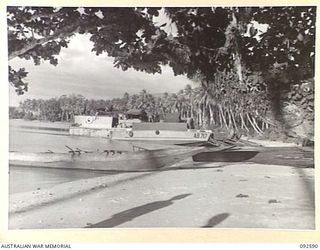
[[20, 202], [187, 194], [223, 188], [64, 126]]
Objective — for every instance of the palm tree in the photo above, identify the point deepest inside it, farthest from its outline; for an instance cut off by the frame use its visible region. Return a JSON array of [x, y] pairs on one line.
[[133, 101], [146, 102], [205, 104], [79, 104], [65, 107], [188, 91], [28, 107]]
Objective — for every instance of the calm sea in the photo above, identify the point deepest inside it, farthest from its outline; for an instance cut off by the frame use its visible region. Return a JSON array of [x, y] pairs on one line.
[[34, 136]]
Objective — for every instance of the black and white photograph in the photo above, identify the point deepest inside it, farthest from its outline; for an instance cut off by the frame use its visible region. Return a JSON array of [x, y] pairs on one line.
[[161, 117]]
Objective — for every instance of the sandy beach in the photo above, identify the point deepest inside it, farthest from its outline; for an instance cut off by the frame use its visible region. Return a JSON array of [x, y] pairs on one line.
[[225, 94], [187, 194]]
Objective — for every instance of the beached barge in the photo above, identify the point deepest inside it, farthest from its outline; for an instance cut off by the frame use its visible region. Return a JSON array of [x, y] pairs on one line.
[[163, 132]]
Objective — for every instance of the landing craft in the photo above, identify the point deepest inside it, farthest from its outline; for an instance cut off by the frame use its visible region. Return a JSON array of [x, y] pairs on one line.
[[130, 127]]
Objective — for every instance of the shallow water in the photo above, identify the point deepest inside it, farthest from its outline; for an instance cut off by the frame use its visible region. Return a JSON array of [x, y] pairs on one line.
[[28, 136]]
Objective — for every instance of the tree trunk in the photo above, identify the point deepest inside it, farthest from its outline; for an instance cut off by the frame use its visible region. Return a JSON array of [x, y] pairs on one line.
[[256, 124], [253, 126], [243, 123], [220, 118], [199, 118], [239, 67], [206, 118], [222, 115], [231, 42], [229, 119], [234, 120], [212, 121]]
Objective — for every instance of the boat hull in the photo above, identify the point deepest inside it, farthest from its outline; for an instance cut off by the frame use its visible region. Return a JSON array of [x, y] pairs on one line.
[[160, 136], [145, 160]]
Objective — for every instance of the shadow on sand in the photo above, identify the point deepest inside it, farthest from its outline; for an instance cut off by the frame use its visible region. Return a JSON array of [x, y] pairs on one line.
[[308, 186], [130, 214], [217, 219], [224, 156], [285, 156]]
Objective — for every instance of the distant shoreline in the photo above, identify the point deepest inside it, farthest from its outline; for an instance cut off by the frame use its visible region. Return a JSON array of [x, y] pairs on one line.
[[39, 124]]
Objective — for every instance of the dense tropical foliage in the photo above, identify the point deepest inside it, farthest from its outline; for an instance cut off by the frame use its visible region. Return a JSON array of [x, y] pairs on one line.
[[247, 78]]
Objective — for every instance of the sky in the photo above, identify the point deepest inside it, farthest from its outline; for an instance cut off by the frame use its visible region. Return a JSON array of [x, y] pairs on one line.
[[80, 71]]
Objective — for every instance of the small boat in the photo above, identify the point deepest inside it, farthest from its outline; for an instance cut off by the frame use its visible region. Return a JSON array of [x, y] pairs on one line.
[[107, 160]]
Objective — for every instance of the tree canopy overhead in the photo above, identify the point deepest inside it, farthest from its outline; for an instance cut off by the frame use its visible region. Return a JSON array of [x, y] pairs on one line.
[[224, 48], [207, 39]]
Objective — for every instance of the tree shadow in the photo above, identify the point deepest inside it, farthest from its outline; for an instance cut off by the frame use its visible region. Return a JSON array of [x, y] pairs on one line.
[[224, 156], [217, 219], [132, 213], [284, 156], [308, 186]]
